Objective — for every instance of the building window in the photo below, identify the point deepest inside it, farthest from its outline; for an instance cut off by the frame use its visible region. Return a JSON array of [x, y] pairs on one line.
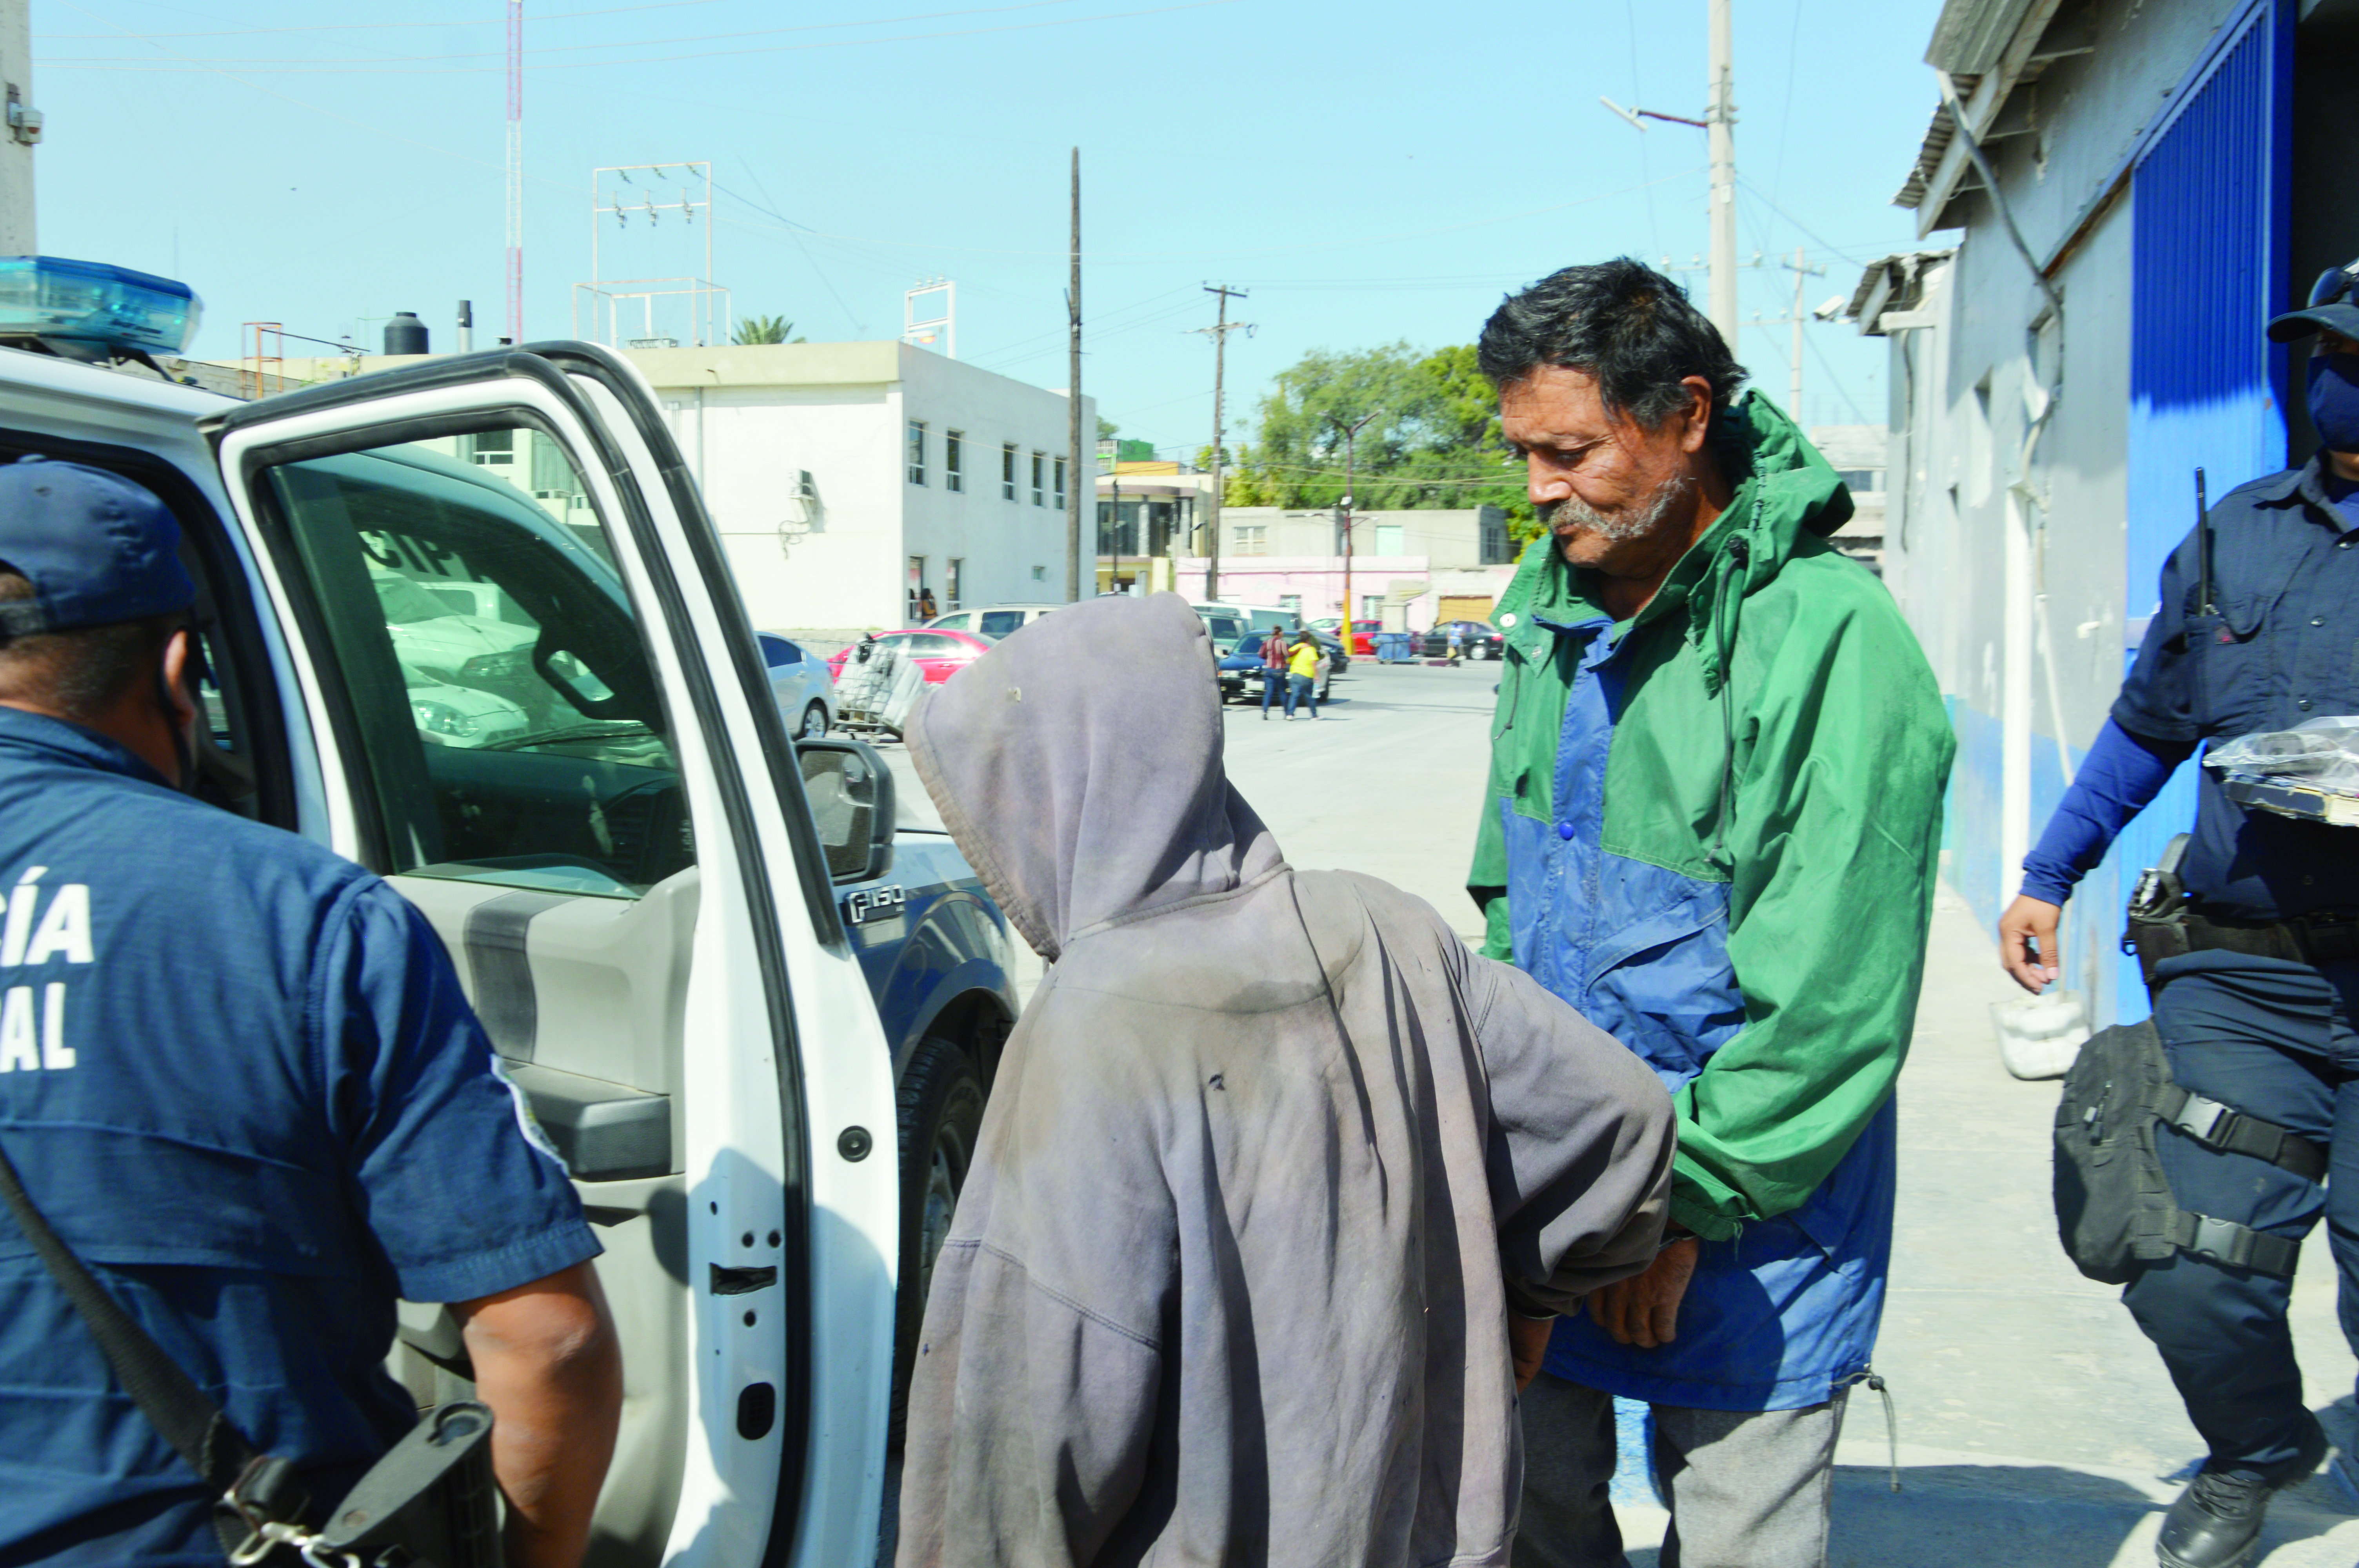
[[1250, 540], [951, 582], [1060, 483], [491, 448], [1290, 602], [954, 465], [1389, 538], [916, 451], [1495, 548], [1372, 610], [1039, 474], [1007, 472], [1039, 574]]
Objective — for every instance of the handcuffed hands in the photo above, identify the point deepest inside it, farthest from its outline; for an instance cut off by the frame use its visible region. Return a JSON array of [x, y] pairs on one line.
[[1528, 1339], [1645, 1310]]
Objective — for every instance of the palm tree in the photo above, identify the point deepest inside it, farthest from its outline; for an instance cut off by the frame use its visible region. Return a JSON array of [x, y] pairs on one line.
[[764, 329]]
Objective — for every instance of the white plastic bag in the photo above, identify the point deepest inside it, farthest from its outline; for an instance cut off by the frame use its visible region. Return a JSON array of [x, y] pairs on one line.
[[2321, 754]]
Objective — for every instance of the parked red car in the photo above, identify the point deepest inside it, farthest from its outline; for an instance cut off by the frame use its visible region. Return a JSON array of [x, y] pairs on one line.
[[940, 654]]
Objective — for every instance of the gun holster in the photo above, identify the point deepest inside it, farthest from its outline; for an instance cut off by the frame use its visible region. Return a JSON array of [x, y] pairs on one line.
[[2157, 912]]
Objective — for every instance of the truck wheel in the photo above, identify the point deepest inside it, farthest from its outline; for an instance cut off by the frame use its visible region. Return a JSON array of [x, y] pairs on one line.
[[940, 1105]]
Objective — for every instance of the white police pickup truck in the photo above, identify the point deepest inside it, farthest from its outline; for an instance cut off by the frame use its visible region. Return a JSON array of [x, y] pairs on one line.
[[624, 865]]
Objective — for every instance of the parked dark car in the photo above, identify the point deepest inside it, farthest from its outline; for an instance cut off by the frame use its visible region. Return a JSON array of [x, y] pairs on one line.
[[1240, 670], [1480, 640], [934, 950]]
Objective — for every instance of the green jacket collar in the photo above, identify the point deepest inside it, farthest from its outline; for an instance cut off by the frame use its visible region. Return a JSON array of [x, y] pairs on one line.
[[1790, 493]]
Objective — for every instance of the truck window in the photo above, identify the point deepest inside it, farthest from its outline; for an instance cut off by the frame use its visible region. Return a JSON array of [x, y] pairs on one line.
[[511, 727]]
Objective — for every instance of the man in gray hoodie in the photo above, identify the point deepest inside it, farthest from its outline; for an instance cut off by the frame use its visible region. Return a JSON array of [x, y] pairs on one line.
[[1270, 1161]]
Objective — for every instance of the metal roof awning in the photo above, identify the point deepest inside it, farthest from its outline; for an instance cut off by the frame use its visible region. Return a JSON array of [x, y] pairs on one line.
[[1991, 50], [1971, 35]]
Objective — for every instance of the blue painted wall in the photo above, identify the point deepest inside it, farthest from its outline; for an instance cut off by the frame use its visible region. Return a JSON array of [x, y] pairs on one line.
[[2213, 203]]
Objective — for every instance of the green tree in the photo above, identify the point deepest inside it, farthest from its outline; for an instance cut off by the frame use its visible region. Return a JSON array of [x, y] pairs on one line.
[[764, 330], [1433, 441]]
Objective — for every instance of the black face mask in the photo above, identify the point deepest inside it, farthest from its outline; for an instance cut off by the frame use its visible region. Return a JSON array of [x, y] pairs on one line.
[[2334, 400]]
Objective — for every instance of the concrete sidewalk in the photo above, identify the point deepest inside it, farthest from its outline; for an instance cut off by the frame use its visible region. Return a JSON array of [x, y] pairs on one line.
[[2037, 1425]]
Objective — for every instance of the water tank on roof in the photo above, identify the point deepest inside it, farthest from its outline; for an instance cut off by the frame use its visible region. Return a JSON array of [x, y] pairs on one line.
[[404, 334]]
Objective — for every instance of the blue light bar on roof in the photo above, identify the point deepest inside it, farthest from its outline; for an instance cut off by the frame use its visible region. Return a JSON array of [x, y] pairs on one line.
[[49, 297]]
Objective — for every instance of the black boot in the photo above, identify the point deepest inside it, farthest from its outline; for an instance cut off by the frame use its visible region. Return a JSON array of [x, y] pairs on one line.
[[2217, 1520]]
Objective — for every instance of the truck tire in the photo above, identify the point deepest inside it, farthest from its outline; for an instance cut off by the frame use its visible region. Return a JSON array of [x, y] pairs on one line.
[[941, 1106]]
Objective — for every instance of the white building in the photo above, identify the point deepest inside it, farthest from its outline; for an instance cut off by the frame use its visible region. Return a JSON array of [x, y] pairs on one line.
[[1857, 454], [1406, 569], [850, 480]]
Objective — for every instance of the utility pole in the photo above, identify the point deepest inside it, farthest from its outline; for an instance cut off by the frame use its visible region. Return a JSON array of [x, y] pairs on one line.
[[1073, 409], [1802, 270], [516, 171], [1219, 333], [1351, 439], [20, 133], [1721, 117]]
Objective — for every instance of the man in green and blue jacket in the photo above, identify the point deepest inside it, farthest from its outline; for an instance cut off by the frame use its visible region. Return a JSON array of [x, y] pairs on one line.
[[1711, 825]]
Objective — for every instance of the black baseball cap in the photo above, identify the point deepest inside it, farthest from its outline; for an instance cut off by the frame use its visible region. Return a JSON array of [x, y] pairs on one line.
[[2331, 306], [97, 548]]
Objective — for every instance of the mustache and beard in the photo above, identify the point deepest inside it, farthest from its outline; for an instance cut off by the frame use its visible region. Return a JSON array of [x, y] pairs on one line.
[[1574, 515]]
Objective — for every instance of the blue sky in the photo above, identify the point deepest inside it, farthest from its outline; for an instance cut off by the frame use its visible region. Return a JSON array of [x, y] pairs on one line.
[[1369, 175]]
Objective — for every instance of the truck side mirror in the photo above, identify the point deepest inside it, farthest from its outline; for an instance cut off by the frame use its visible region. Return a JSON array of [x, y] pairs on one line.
[[851, 793]]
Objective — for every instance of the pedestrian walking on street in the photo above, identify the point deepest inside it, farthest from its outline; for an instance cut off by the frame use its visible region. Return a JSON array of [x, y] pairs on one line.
[[1273, 671], [255, 1105], [1270, 1163], [1457, 643], [1711, 825], [2254, 967], [1302, 668], [927, 609]]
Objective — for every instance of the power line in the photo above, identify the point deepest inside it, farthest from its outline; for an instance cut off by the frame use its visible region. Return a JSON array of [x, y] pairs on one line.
[[624, 44], [289, 67], [542, 16], [1809, 234]]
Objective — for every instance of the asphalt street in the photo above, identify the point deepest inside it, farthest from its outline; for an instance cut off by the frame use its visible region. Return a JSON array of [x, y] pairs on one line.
[[2035, 1425]]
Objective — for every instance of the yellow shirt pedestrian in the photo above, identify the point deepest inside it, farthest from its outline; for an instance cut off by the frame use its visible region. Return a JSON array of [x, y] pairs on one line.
[[1303, 660]]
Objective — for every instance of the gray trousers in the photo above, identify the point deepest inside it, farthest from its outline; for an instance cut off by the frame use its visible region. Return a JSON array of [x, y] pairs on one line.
[[1745, 1491]]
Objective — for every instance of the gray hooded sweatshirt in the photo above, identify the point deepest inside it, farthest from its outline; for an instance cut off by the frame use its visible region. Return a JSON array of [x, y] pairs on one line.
[[1269, 1158]]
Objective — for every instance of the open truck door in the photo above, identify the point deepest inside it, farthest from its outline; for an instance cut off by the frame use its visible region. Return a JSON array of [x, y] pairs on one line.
[[540, 714]]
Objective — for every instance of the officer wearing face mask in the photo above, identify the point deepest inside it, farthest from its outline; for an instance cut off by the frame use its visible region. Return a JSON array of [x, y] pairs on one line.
[[2256, 977]]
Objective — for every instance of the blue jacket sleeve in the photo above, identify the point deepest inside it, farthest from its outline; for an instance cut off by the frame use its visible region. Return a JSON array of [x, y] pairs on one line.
[[2123, 772]]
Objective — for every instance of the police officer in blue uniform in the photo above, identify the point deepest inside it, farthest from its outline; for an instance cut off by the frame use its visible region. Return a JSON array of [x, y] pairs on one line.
[[239, 1079], [2256, 977]]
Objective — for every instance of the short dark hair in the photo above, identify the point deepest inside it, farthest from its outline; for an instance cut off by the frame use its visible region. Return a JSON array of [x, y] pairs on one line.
[[1621, 322], [82, 672]]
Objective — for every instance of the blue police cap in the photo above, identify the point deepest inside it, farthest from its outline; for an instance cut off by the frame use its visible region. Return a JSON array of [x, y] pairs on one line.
[[96, 548], [2331, 306]]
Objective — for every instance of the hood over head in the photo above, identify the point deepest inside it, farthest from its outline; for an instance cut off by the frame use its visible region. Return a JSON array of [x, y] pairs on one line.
[[1078, 766]]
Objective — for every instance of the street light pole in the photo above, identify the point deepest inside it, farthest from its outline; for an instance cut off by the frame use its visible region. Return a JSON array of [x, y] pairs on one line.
[[1351, 438]]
